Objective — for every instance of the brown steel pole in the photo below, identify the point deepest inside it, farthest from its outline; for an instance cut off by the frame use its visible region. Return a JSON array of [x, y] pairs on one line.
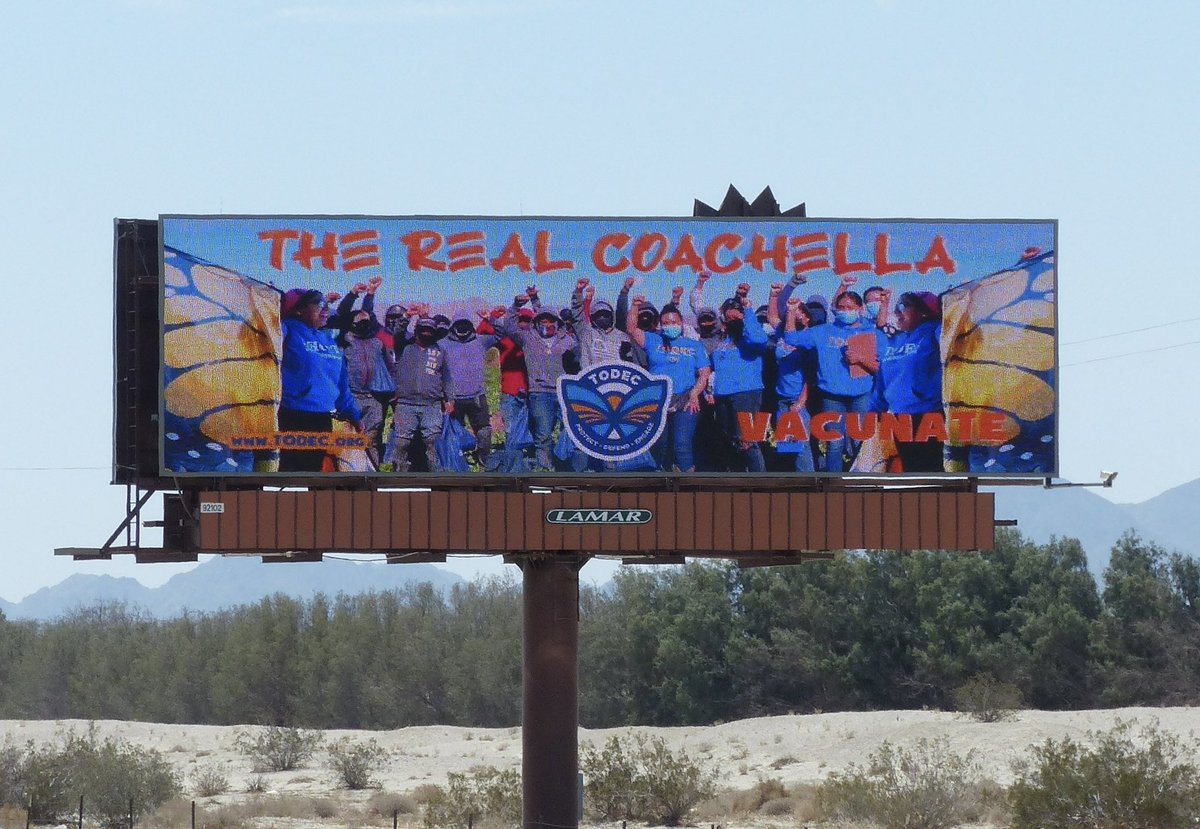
[[549, 734]]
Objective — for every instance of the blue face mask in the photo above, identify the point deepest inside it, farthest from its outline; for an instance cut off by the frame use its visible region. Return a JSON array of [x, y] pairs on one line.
[[672, 332], [872, 309], [846, 317]]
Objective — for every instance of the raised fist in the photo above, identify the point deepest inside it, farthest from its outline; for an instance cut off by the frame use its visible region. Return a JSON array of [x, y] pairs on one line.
[[531, 291], [590, 292], [375, 280], [703, 277], [360, 288], [849, 279], [743, 289], [332, 297], [776, 288], [793, 303], [677, 293], [639, 300], [581, 283], [520, 299], [630, 281]]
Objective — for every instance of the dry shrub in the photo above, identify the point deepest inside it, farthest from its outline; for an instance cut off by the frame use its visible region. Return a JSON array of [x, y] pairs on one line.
[[324, 808], [786, 760], [985, 699], [1148, 783], [354, 762], [426, 792], [751, 800], [641, 779], [209, 781], [926, 787], [485, 796], [387, 804], [277, 748]]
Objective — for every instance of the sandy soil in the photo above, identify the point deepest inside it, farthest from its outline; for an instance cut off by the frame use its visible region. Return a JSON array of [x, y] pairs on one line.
[[795, 749]]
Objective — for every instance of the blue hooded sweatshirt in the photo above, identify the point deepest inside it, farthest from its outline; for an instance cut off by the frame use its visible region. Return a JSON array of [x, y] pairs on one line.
[[315, 377], [910, 372], [829, 341]]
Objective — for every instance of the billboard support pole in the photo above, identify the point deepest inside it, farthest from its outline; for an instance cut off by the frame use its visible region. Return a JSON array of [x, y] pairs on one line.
[[550, 705]]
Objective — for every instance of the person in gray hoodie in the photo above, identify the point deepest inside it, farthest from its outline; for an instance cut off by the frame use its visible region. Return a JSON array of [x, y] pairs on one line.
[[423, 382], [601, 340], [545, 344], [466, 352]]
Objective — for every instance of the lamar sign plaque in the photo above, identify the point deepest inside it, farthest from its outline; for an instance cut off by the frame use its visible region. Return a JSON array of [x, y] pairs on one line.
[[599, 516]]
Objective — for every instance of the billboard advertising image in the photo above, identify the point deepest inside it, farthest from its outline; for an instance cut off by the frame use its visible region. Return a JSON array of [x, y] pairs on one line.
[[403, 346]]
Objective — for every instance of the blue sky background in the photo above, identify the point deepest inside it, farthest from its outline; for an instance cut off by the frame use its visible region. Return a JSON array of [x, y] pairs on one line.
[[1086, 112]]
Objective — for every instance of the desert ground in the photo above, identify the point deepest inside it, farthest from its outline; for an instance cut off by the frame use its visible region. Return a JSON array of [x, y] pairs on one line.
[[797, 750]]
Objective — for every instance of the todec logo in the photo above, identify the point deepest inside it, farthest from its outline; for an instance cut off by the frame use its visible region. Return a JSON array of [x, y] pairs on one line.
[[614, 411]]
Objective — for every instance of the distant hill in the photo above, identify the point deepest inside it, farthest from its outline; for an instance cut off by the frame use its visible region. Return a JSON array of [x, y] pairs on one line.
[[224, 582], [1172, 519]]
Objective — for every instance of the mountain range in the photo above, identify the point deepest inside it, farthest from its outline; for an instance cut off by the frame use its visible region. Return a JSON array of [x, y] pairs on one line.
[[1170, 519], [223, 582]]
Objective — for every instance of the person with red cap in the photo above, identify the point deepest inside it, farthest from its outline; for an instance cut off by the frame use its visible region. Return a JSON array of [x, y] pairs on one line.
[[315, 379], [910, 374], [514, 378]]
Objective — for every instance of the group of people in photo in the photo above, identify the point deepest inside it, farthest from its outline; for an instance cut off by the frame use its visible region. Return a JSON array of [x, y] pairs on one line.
[[402, 379]]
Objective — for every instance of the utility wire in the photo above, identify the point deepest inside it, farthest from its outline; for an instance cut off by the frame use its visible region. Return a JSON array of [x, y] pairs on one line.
[[1130, 331], [1131, 354]]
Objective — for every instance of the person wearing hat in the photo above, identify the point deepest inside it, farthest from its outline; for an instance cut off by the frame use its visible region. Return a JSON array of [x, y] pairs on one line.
[[314, 376], [466, 350], [372, 370], [601, 340], [423, 384], [395, 324], [910, 374], [545, 346]]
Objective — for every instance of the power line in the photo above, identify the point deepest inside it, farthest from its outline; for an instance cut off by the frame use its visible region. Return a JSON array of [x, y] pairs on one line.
[[1131, 331], [1131, 354]]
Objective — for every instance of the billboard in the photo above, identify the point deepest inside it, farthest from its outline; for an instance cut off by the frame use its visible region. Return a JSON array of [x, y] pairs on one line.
[[402, 347]]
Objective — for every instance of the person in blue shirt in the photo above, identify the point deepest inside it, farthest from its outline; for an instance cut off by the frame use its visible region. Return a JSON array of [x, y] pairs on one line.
[[845, 369], [910, 374], [737, 363], [684, 360], [791, 385], [315, 379]]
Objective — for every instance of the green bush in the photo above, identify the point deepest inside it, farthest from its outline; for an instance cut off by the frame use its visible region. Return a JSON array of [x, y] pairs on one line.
[[1117, 782], [354, 762], [209, 781], [277, 748], [484, 793], [927, 787], [986, 699], [106, 773], [641, 779]]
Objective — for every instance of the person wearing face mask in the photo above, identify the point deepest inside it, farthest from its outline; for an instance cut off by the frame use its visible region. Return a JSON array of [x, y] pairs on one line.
[[846, 352], [601, 340], [423, 383], [395, 325], [875, 303], [466, 351], [684, 360], [910, 374], [514, 377], [315, 379], [545, 346], [737, 379], [372, 370]]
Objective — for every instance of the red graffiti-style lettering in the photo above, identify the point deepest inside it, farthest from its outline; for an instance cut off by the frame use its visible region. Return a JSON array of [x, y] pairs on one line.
[[861, 425], [421, 245], [542, 262], [648, 251], [684, 256], [882, 266], [760, 254], [616, 241], [895, 427], [937, 257], [753, 426], [991, 427], [933, 427], [465, 250], [810, 252], [841, 256], [513, 255], [790, 427], [963, 424], [822, 423], [278, 240], [327, 251], [359, 251], [722, 242]]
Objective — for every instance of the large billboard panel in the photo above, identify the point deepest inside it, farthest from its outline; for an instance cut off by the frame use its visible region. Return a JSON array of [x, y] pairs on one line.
[[404, 347]]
